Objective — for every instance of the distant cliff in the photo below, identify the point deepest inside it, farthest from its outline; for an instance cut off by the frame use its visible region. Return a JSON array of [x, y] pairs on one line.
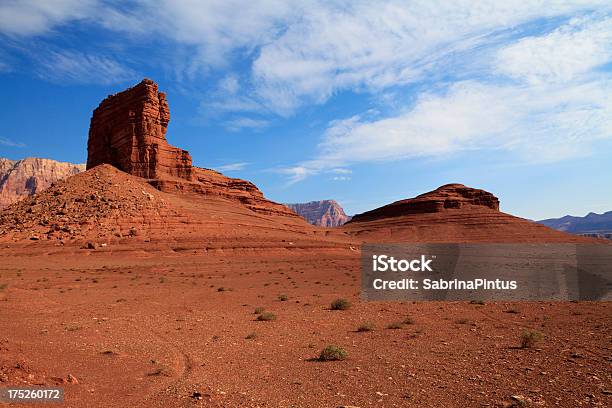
[[324, 213], [23, 178], [593, 225]]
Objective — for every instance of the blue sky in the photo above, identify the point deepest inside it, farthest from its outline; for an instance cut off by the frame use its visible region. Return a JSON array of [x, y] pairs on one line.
[[365, 102]]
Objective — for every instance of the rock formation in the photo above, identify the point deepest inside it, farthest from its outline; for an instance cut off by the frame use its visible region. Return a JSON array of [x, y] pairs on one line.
[[128, 131], [324, 213], [449, 196], [23, 178], [451, 213]]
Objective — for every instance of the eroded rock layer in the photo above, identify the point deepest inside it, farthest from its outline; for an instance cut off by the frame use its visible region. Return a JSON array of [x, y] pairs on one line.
[[128, 131], [449, 196], [451, 213]]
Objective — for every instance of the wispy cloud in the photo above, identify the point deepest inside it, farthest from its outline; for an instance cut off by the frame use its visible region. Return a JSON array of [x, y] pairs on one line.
[[10, 143], [238, 124], [232, 167], [572, 50], [80, 68], [27, 18], [372, 46], [542, 99]]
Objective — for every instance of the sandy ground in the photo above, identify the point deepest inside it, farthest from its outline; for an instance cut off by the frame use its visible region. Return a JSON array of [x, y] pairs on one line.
[[150, 326]]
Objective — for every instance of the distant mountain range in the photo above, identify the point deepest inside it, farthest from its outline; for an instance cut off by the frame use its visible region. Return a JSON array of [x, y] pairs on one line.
[[593, 225], [23, 178], [324, 213]]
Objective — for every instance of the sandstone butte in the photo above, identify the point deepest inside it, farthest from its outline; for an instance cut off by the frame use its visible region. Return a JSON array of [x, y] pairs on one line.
[[323, 213], [138, 186]]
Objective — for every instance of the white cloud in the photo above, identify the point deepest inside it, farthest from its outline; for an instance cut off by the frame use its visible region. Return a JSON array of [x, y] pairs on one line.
[[232, 167], [372, 46], [237, 124], [561, 56], [534, 123], [542, 99], [229, 85], [216, 29], [75, 67], [10, 143], [34, 17]]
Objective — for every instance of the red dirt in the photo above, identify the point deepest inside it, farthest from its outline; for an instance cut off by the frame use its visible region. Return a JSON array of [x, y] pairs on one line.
[[146, 325]]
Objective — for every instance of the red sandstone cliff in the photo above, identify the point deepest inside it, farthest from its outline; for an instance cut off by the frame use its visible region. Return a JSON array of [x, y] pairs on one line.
[[23, 178], [128, 131], [324, 213]]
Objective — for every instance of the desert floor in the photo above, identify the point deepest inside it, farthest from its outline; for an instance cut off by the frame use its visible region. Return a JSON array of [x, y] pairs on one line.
[[150, 326]]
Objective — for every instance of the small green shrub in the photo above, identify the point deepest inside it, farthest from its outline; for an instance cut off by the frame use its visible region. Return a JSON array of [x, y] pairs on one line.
[[366, 327], [251, 336], [266, 317], [394, 326], [408, 320], [259, 310], [340, 304], [333, 353], [530, 338]]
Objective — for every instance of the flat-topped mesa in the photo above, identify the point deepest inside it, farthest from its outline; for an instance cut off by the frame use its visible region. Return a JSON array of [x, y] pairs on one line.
[[128, 131], [446, 197]]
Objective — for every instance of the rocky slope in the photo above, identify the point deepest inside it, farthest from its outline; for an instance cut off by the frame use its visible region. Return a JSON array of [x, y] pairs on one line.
[[595, 225], [324, 213], [451, 213], [104, 205], [23, 178]]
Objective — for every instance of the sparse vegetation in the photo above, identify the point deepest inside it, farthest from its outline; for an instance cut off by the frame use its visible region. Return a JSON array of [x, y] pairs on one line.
[[340, 304], [477, 302], [259, 310], [394, 326], [221, 289], [333, 353], [408, 321], [366, 327], [266, 317], [530, 338], [462, 321], [283, 297], [251, 336], [3, 286]]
